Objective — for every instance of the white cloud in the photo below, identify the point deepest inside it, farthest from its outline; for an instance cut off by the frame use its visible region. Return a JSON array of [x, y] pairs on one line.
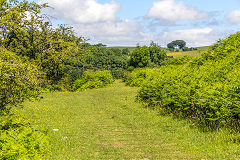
[[174, 11], [98, 22], [82, 11], [123, 32], [193, 37], [234, 16]]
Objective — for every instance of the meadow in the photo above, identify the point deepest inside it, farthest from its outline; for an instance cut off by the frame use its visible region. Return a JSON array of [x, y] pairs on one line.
[[108, 123], [192, 54]]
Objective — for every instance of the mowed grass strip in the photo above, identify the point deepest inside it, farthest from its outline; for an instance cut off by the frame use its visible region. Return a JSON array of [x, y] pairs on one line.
[[108, 124]]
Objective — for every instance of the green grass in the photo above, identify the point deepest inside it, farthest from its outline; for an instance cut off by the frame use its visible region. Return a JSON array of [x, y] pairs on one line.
[[192, 54], [203, 48], [108, 124]]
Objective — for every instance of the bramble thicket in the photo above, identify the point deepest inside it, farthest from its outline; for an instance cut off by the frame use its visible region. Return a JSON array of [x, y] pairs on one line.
[[205, 90]]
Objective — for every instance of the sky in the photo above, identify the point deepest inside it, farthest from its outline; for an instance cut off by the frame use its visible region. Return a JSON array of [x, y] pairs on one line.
[[132, 22]]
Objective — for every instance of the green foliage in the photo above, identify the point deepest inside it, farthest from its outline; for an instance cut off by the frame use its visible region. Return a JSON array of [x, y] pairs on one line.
[[178, 43], [146, 56], [178, 60], [98, 57], [104, 58], [206, 90], [18, 80], [118, 74], [125, 51], [138, 76], [19, 140], [24, 31], [189, 49], [93, 79], [56, 50]]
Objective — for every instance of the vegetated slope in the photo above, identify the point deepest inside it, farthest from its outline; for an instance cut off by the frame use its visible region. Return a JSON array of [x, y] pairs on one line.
[[206, 90], [107, 123]]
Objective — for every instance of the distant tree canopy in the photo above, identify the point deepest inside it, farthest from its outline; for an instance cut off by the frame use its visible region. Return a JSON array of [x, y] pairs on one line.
[[178, 43], [144, 56], [125, 51]]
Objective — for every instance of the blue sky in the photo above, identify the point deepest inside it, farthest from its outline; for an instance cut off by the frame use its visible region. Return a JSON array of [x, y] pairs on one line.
[[129, 22]]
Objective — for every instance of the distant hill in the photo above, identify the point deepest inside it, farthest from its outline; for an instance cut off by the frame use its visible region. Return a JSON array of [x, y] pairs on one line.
[[123, 47], [203, 48], [195, 53]]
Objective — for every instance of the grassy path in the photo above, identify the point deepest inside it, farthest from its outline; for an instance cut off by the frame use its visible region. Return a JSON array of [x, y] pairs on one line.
[[108, 124]]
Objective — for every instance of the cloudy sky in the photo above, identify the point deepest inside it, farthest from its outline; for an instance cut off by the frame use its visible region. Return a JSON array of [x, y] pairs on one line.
[[128, 22]]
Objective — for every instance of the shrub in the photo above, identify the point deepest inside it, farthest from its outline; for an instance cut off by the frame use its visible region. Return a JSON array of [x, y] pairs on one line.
[[138, 76], [18, 80], [185, 49], [118, 74], [146, 56], [178, 61], [93, 79], [19, 140]]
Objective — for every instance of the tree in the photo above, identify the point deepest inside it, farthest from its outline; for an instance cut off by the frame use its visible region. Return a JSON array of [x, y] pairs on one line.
[[147, 56], [125, 51], [177, 44], [170, 45], [32, 36]]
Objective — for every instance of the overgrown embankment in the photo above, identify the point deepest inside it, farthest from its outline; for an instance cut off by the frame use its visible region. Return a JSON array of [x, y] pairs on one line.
[[206, 90]]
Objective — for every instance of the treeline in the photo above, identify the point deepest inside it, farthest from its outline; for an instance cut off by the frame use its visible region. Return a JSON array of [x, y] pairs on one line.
[[205, 90]]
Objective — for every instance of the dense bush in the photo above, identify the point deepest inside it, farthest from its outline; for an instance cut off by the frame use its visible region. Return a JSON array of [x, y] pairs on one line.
[[93, 79], [101, 57], [178, 60], [20, 140], [146, 56], [206, 91], [19, 81], [138, 76], [189, 49], [118, 73]]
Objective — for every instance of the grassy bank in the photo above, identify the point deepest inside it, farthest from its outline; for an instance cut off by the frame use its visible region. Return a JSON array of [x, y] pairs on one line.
[[107, 123]]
